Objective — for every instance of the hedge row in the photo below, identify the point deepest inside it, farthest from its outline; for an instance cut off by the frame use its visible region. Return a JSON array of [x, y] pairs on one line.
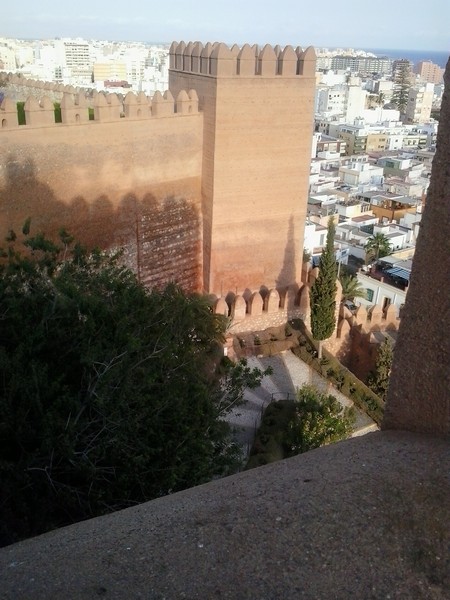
[[345, 381]]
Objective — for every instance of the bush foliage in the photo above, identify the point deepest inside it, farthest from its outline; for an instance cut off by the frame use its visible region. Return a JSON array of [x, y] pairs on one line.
[[111, 394], [291, 427], [346, 382]]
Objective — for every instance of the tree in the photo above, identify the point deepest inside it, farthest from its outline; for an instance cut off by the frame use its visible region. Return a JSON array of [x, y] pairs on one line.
[[351, 287], [378, 381], [319, 419], [377, 246], [380, 99], [402, 84], [111, 394], [323, 292]]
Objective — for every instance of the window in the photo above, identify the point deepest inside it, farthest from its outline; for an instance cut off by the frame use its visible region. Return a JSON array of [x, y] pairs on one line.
[[369, 294]]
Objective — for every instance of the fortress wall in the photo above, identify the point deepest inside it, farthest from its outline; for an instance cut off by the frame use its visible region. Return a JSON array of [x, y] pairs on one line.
[[19, 88], [264, 321], [206, 91], [130, 183], [261, 182], [216, 199], [257, 130]]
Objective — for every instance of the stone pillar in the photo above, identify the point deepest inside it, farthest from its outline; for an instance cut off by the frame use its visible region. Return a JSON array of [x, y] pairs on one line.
[[419, 390]]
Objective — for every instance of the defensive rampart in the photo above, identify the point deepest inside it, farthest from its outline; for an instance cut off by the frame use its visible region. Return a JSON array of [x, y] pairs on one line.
[[17, 88], [130, 178], [219, 60], [205, 185], [258, 115]]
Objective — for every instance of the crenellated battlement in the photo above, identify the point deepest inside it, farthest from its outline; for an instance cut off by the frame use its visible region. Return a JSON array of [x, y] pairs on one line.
[[75, 108], [19, 87], [261, 308], [219, 60]]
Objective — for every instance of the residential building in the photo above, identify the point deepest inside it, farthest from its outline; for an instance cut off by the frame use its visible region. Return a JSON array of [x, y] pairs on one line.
[[314, 237], [420, 101], [377, 141], [381, 291], [329, 147], [359, 173], [429, 72], [349, 209], [362, 65], [110, 71], [388, 206], [77, 60], [7, 58], [355, 137]]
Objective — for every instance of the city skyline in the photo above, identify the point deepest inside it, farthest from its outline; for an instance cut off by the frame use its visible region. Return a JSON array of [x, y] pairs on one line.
[[287, 22]]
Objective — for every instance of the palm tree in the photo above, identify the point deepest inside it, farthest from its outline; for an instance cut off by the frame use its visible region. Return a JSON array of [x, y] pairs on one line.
[[351, 287], [380, 99], [377, 246]]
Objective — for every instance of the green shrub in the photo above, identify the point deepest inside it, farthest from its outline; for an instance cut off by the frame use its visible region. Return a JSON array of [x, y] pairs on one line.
[[21, 113], [292, 426], [57, 110], [318, 419]]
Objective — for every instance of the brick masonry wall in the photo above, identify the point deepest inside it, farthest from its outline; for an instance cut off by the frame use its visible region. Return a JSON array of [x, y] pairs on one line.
[[257, 133], [130, 184]]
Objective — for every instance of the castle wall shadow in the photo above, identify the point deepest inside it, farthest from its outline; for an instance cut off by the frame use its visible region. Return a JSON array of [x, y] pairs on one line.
[[160, 237]]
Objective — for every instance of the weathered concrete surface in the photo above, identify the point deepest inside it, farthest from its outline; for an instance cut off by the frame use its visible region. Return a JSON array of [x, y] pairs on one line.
[[365, 518]]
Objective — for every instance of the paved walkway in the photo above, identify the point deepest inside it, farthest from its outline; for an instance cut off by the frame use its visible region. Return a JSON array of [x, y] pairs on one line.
[[289, 373]]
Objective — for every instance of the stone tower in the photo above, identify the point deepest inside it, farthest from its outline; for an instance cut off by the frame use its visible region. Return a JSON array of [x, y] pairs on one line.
[[258, 120]]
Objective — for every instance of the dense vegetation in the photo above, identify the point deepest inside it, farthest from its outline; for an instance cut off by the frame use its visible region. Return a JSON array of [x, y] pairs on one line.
[[377, 246], [291, 427], [345, 381], [110, 394]]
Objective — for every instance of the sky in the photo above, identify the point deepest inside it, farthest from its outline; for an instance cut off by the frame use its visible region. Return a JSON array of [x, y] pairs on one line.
[[413, 24]]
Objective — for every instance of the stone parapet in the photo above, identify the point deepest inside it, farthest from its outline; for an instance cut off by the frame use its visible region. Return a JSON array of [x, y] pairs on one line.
[[220, 60], [40, 111], [363, 518]]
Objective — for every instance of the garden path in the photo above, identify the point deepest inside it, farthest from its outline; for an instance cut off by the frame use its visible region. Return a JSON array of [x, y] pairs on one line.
[[289, 373]]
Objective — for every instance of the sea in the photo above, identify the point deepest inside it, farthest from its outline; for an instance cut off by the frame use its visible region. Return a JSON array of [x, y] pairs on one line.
[[415, 56]]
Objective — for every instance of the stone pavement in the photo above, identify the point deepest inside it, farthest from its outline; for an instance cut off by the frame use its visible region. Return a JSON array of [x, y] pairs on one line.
[[289, 373]]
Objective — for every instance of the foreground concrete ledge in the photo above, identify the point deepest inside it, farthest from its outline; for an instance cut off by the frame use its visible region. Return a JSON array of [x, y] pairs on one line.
[[364, 518]]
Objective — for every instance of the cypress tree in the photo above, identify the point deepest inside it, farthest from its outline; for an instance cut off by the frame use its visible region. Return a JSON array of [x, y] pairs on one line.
[[323, 292], [402, 85]]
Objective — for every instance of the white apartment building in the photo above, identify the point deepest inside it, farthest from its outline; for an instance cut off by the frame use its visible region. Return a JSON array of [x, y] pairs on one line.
[[359, 174], [420, 101], [73, 61], [380, 293], [331, 101], [7, 58], [346, 101]]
